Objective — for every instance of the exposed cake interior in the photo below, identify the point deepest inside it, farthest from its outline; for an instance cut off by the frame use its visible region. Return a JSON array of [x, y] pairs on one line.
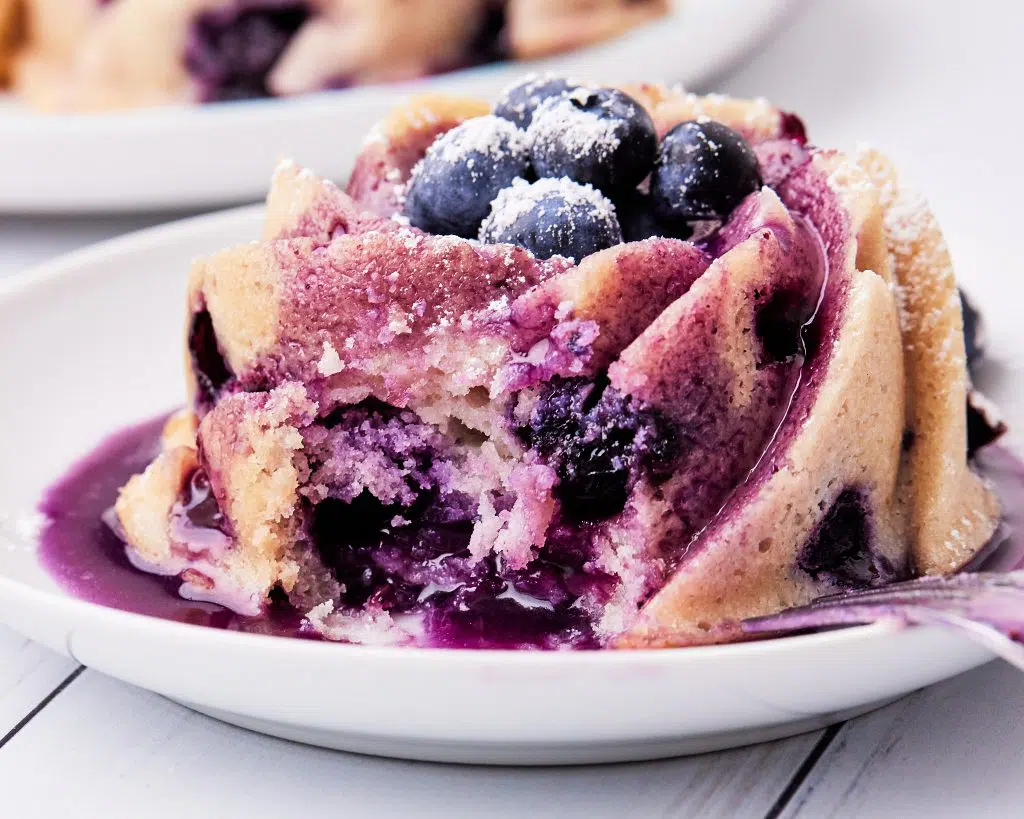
[[422, 439]]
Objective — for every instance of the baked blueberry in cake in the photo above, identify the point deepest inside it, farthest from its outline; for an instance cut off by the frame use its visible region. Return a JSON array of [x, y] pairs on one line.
[[473, 400], [97, 54], [974, 333]]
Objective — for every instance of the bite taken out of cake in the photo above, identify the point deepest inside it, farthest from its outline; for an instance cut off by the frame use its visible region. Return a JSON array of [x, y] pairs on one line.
[[593, 367]]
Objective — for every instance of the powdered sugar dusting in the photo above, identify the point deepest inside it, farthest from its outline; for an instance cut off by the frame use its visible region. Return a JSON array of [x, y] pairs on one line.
[[564, 195], [559, 121], [931, 301], [907, 219], [530, 84], [487, 136], [330, 362]]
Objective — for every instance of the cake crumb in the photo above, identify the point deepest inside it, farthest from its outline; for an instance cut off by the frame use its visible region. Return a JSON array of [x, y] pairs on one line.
[[330, 362]]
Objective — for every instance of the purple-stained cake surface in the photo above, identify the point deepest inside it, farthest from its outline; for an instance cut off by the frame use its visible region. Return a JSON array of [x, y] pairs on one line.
[[87, 559], [548, 431]]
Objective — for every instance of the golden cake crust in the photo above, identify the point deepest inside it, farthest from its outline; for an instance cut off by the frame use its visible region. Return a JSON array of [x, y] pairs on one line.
[[954, 510], [900, 355]]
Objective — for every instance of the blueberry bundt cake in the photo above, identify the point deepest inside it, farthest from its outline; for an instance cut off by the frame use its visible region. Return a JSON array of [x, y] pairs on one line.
[[594, 367], [96, 54]]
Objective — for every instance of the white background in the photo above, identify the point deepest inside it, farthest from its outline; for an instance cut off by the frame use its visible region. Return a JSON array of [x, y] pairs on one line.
[[935, 84]]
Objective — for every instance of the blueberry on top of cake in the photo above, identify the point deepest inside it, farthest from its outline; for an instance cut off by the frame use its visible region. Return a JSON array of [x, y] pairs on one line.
[[595, 367]]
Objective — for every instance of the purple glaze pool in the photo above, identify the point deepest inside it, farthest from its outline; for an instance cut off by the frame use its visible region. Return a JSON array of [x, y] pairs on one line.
[[87, 559]]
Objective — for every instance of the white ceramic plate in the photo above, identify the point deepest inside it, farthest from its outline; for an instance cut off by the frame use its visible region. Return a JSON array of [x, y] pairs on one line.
[[90, 342], [191, 157]]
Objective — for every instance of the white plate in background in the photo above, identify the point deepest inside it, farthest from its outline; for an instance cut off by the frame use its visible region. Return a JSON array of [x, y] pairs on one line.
[[92, 342], [184, 157]]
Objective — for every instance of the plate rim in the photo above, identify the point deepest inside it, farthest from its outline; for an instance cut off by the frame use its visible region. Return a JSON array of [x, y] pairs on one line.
[[844, 637]]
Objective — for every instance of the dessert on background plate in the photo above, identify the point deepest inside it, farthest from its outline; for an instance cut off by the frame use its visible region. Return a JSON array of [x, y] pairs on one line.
[[594, 367], [104, 54]]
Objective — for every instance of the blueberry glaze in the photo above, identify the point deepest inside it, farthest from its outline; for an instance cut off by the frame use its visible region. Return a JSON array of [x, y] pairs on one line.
[[86, 558]]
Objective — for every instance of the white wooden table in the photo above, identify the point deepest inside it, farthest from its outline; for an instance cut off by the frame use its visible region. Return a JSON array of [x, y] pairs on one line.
[[936, 84]]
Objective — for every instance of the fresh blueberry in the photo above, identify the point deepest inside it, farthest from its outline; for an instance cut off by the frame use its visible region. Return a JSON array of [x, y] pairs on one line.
[[552, 217], [600, 137], [704, 170], [451, 189], [519, 102], [636, 214], [230, 50]]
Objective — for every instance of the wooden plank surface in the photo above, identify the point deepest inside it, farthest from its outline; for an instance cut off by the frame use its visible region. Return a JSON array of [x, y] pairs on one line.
[[123, 752], [956, 749], [879, 70], [29, 673]]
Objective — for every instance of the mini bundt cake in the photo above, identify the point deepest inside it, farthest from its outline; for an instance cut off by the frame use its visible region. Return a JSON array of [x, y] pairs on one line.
[[596, 367], [100, 54]]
